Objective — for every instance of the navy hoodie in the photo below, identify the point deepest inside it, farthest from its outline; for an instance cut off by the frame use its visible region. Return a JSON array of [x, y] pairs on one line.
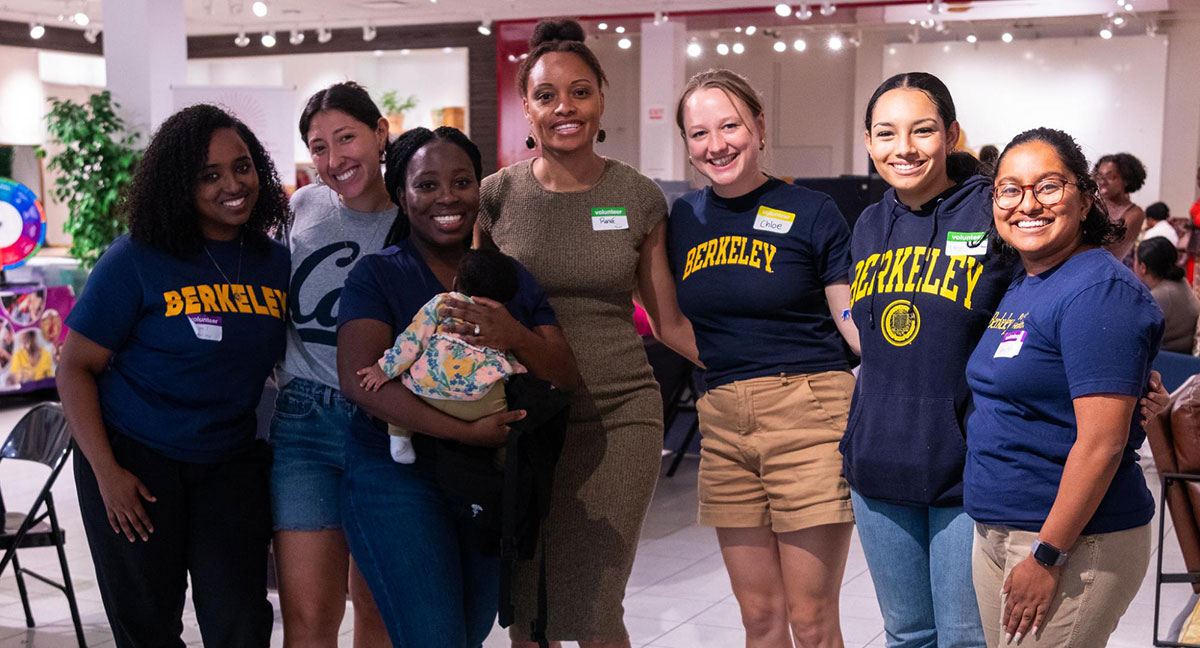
[[924, 286]]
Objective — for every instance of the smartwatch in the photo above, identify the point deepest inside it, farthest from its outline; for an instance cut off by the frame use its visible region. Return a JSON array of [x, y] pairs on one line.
[[1048, 554]]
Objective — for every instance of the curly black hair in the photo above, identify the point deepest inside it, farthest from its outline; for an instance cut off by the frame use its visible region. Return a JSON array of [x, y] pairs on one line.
[[1097, 228], [558, 36], [401, 150], [1131, 169], [487, 273], [159, 203]]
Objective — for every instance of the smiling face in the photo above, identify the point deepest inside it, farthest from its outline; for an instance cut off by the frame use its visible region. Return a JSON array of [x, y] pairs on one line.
[[1043, 236], [346, 153], [563, 103], [724, 141], [909, 144], [440, 194], [1110, 182], [226, 187]]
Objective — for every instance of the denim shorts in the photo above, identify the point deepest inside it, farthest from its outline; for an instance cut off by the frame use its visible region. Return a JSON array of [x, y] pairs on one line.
[[308, 433]]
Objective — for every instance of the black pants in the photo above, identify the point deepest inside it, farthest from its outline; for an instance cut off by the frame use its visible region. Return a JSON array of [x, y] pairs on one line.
[[212, 521]]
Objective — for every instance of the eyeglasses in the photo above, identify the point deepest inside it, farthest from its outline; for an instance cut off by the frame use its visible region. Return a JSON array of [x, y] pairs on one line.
[[1048, 192]]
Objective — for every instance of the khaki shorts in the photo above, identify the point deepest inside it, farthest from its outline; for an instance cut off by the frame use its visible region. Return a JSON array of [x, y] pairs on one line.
[[769, 454]]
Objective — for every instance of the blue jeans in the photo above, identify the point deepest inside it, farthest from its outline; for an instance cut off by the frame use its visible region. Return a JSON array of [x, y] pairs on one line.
[[432, 585], [920, 562]]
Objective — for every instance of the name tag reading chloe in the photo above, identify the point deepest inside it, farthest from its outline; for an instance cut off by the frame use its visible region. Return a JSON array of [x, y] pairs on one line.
[[775, 221], [609, 218]]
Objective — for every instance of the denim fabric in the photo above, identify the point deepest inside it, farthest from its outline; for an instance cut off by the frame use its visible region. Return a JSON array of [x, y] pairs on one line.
[[920, 562], [308, 432], [433, 587]]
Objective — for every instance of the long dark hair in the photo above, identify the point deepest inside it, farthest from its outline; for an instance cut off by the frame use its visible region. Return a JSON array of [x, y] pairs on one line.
[[160, 205], [558, 36], [348, 97], [960, 165], [1160, 258], [400, 152]]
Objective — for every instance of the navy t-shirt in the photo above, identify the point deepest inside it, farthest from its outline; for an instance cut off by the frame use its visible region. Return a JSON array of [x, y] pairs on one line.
[[191, 350], [392, 285], [1086, 327], [750, 275]]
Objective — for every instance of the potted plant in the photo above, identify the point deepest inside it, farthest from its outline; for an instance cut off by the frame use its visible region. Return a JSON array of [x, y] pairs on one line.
[[394, 107], [96, 162]]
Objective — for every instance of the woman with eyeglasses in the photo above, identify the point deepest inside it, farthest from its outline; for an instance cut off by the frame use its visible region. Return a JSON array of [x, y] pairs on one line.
[[1062, 512]]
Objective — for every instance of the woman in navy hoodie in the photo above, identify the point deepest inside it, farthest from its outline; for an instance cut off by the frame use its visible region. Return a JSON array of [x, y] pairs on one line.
[[925, 285]]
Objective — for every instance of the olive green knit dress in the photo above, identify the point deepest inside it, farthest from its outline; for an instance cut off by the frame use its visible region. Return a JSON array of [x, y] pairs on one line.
[[583, 249]]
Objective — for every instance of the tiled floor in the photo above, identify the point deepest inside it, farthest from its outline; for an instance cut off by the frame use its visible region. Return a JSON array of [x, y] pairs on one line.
[[678, 597]]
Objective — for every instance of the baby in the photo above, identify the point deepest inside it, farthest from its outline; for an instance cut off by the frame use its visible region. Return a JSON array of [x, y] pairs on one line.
[[458, 378]]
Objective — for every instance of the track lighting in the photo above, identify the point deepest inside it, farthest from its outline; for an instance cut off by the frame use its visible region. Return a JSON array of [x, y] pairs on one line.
[[369, 33], [242, 39], [324, 35], [268, 39], [295, 37], [36, 30]]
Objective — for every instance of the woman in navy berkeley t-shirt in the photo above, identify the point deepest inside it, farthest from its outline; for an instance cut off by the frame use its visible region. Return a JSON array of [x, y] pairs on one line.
[[1062, 510], [761, 270], [432, 584], [170, 344]]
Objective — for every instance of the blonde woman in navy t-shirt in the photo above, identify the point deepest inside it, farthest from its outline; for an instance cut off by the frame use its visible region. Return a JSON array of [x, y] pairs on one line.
[[761, 269]]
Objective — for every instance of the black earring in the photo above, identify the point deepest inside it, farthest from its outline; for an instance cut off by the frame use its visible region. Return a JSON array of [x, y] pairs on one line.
[[601, 136], [530, 142]]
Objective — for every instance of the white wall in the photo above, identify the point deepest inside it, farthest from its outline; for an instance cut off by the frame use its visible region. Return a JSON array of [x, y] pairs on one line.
[[22, 100], [1181, 127], [1108, 94]]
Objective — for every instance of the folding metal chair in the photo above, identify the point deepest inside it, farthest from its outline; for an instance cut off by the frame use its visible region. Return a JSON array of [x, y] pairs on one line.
[[41, 436]]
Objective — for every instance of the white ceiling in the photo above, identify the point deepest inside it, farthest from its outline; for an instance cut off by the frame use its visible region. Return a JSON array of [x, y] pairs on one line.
[[228, 16]]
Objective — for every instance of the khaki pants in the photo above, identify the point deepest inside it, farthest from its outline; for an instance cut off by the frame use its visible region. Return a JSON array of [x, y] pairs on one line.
[[1099, 579]]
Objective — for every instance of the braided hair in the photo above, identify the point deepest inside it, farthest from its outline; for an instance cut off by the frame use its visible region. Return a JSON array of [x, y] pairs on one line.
[[159, 203], [400, 152]]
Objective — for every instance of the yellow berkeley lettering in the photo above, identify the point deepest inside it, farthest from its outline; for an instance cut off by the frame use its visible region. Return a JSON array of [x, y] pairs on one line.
[[926, 287], [239, 298], [974, 271], [769, 251], [174, 303]]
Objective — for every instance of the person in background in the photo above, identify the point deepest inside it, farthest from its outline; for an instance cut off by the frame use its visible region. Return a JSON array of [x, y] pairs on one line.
[[987, 158], [586, 226], [1193, 240], [167, 352], [1119, 175], [31, 361], [1158, 225], [1157, 264], [346, 216], [1062, 512]]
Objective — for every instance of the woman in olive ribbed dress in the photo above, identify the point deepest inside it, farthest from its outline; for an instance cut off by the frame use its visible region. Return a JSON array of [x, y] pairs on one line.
[[580, 223]]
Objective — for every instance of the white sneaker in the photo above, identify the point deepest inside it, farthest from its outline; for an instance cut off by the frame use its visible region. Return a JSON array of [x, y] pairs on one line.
[[402, 450]]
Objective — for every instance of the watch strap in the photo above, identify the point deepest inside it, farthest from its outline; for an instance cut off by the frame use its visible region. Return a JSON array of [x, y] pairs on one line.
[[1048, 554]]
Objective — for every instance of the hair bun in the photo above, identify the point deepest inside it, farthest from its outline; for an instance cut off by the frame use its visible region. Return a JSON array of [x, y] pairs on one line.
[[556, 30]]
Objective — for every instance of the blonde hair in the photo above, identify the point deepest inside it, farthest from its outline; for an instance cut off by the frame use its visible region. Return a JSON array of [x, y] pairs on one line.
[[734, 85]]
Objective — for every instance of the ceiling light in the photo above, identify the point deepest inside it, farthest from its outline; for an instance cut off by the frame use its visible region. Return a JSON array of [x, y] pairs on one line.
[[485, 28], [750, 30], [91, 34], [780, 46], [36, 30], [259, 8], [81, 19], [804, 13], [972, 38], [624, 43], [694, 50], [738, 29], [1127, 6], [828, 8], [856, 41], [602, 26], [405, 52], [722, 49], [782, 10], [928, 23], [512, 58], [1119, 20], [835, 42], [1007, 37], [324, 35], [242, 39], [369, 33], [619, 29], [799, 45], [295, 37], [738, 48], [447, 50], [1105, 32], [268, 39]]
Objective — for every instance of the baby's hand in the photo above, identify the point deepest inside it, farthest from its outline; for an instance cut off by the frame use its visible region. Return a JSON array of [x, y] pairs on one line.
[[373, 377]]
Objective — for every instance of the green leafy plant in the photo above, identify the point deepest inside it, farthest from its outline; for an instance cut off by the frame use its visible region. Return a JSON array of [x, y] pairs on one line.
[[97, 161], [393, 104]]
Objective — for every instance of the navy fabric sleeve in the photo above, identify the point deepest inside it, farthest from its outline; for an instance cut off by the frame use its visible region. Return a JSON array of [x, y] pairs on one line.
[[1107, 334], [534, 303], [364, 296], [831, 244], [112, 301]]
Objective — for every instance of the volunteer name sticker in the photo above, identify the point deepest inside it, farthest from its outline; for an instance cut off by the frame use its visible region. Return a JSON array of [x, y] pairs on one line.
[[1010, 344], [609, 218], [206, 327], [966, 243], [776, 221]]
